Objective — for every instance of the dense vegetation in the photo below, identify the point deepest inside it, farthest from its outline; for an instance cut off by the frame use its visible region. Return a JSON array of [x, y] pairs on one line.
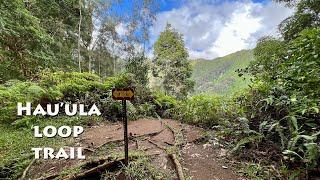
[[272, 124], [276, 120], [286, 99], [73, 35], [65, 87]]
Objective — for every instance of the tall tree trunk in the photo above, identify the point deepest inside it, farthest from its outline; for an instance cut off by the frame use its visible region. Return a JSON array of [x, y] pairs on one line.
[[79, 35], [89, 63], [91, 29], [114, 65], [99, 67]]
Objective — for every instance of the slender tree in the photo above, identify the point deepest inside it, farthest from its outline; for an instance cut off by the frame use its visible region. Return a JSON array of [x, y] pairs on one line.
[[172, 64], [79, 35]]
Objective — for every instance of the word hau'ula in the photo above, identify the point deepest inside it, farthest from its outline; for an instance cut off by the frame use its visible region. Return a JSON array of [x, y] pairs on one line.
[[53, 110]]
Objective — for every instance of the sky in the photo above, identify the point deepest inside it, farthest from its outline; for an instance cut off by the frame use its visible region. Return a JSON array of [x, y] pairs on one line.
[[215, 28]]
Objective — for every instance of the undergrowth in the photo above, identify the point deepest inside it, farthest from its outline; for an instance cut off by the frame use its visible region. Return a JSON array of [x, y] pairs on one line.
[[16, 143]]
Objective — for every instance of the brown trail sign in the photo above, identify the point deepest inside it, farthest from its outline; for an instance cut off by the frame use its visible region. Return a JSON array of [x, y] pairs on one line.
[[124, 94]]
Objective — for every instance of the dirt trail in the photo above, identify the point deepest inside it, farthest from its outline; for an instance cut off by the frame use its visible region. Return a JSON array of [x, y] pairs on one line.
[[199, 160]]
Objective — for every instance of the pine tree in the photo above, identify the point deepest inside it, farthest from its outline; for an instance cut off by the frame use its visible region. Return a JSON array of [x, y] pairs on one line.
[[172, 65]]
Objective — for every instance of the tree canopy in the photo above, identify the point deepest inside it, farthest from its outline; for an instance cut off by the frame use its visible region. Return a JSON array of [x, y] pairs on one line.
[[171, 58], [70, 35]]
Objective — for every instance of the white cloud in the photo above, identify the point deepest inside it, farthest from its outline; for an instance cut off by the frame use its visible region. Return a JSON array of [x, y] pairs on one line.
[[234, 34], [121, 29], [213, 29]]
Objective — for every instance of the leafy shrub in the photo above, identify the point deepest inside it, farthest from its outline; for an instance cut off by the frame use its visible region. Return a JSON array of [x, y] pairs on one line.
[[15, 91], [52, 87], [283, 107], [299, 76], [120, 81], [205, 110], [147, 110], [164, 104], [268, 54], [71, 83], [82, 88]]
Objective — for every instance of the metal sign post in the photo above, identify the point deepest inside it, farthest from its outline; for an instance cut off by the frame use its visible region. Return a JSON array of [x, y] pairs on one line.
[[124, 95], [125, 132]]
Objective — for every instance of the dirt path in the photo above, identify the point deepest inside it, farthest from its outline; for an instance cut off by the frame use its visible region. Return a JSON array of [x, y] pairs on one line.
[[201, 162], [198, 159]]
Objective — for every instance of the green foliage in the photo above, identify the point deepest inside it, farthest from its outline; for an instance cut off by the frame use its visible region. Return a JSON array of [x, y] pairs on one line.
[[60, 21], [255, 171], [305, 16], [205, 110], [300, 73], [268, 54], [24, 43], [284, 104], [138, 67], [69, 83], [146, 109], [171, 58], [14, 150], [121, 81], [219, 75], [143, 169], [59, 35], [164, 104], [252, 138], [64, 86], [84, 88], [13, 92]]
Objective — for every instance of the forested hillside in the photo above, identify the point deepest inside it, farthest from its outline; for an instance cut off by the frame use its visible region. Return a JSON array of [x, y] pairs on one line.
[[220, 75]]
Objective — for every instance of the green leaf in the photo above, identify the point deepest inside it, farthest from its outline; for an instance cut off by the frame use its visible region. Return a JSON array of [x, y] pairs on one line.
[[289, 152], [310, 138], [294, 122], [249, 139], [316, 110]]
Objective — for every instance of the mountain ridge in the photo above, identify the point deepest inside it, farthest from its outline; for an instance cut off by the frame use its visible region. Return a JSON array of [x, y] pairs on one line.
[[219, 75]]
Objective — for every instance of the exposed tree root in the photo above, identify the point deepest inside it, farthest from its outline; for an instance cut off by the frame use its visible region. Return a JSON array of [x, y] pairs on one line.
[[131, 138], [52, 176], [169, 143], [97, 170], [25, 172], [156, 144], [177, 166], [94, 163], [108, 142], [88, 149], [174, 158], [100, 166], [178, 137], [178, 141], [147, 134]]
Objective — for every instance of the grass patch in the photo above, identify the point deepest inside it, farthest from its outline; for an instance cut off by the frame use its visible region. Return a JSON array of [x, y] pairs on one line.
[[16, 143], [142, 168]]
